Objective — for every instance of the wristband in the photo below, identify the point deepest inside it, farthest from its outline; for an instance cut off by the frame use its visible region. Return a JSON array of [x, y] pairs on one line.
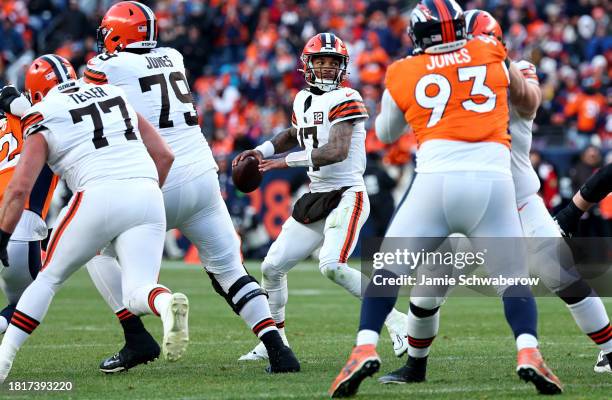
[[266, 149], [299, 159]]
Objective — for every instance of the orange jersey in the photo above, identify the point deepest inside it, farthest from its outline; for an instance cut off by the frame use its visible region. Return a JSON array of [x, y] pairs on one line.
[[588, 108], [11, 138], [460, 95]]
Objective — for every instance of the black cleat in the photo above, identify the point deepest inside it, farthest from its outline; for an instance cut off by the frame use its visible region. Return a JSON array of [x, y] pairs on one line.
[[130, 357], [413, 372], [282, 361]]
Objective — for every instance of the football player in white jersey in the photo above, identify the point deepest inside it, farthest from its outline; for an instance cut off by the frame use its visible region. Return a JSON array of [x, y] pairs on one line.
[[583, 303], [24, 248], [154, 81], [328, 123], [91, 137]]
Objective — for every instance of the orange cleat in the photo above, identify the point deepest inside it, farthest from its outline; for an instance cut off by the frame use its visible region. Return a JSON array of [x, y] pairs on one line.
[[364, 362], [532, 368]]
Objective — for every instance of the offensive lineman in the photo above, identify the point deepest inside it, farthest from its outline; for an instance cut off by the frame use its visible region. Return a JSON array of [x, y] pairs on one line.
[[24, 248], [586, 307], [154, 82], [453, 94], [328, 123], [91, 137]]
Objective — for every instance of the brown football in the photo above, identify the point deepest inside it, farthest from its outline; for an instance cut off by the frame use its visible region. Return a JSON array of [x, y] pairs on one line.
[[246, 175]]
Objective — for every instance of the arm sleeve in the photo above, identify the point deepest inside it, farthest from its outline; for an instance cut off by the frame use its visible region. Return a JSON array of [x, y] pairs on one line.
[[390, 123], [598, 185]]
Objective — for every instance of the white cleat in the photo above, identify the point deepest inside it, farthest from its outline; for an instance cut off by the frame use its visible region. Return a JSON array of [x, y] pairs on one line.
[[397, 326], [400, 343], [602, 365], [176, 329], [258, 353], [5, 368]]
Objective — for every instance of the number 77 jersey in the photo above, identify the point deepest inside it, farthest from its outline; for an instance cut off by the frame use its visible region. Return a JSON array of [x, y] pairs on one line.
[[457, 96], [156, 87]]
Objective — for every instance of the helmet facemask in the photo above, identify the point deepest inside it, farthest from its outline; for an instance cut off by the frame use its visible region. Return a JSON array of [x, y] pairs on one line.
[[319, 76]]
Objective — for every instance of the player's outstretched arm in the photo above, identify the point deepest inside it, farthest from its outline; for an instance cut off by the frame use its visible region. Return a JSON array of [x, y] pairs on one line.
[[524, 96], [31, 161], [390, 123], [598, 186], [284, 141], [157, 147]]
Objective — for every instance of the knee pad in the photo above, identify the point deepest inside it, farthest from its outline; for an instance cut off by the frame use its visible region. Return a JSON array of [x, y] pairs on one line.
[[240, 292], [423, 307]]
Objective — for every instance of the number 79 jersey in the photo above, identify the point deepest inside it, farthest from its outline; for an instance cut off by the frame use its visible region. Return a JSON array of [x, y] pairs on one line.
[[91, 134], [313, 116], [156, 87]]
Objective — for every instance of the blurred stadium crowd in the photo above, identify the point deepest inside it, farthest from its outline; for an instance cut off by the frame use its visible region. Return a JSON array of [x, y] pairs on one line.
[[242, 58]]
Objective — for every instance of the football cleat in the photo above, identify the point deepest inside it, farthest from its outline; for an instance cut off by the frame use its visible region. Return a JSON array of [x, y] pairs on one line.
[[397, 326], [129, 358], [532, 368], [363, 362], [176, 330], [603, 363], [413, 372], [282, 361], [258, 353]]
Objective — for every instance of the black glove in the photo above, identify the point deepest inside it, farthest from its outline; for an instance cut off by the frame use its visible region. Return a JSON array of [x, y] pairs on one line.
[[568, 219], [7, 96], [4, 239]]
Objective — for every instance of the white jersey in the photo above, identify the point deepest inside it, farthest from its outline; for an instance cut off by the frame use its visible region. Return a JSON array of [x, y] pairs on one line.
[[92, 135], [156, 86], [313, 116], [526, 181]]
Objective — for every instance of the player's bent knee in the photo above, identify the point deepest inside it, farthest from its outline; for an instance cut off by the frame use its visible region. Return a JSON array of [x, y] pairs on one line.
[[329, 270], [271, 272], [575, 293]]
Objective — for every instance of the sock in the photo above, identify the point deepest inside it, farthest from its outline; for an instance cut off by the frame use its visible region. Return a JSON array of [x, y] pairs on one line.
[[423, 327], [374, 309], [133, 328], [417, 368], [256, 313], [3, 324], [159, 300], [366, 336], [591, 317], [526, 340], [272, 340], [520, 311]]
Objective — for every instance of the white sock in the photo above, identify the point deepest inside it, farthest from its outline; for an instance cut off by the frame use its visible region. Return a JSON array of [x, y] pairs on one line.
[[526, 340], [366, 336], [275, 283], [421, 333], [591, 317], [162, 302]]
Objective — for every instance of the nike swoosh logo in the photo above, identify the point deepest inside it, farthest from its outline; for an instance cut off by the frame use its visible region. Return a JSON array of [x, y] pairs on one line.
[[349, 94]]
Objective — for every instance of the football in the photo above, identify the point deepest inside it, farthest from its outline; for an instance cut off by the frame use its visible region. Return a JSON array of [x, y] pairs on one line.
[[246, 175]]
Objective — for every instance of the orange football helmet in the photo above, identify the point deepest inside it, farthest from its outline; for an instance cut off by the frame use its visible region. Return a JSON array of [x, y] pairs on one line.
[[45, 73], [480, 22], [324, 44], [127, 25]]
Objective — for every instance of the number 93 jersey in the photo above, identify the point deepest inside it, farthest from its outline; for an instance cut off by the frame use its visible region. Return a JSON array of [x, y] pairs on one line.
[[156, 86], [92, 135], [313, 116], [457, 96]]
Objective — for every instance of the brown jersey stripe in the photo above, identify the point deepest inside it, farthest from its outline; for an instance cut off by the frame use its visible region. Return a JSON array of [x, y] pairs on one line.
[[349, 103], [30, 120]]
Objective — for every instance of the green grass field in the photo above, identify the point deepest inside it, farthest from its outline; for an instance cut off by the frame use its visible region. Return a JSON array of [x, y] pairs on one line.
[[472, 358]]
